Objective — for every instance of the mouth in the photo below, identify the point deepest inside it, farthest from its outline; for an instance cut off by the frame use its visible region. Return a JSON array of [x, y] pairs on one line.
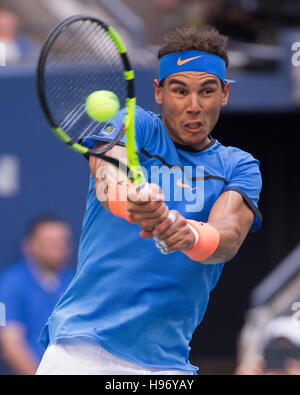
[[193, 126]]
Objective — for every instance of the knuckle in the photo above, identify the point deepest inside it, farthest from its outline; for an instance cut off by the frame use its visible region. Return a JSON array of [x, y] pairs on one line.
[[162, 209], [181, 222], [148, 224], [152, 206]]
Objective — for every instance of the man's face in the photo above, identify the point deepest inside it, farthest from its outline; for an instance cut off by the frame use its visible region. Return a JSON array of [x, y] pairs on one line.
[[49, 246], [191, 103]]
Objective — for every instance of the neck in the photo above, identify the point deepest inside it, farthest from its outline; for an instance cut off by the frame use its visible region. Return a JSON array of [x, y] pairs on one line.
[[48, 279]]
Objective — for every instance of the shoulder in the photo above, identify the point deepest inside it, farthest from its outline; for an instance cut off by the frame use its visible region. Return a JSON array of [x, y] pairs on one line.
[[147, 124], [14, 270], [145, 117], [234, 159], [233, 154], [14, 277]]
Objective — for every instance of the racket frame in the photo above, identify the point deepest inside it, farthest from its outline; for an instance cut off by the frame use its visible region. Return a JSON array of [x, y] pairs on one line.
[[133, 169]]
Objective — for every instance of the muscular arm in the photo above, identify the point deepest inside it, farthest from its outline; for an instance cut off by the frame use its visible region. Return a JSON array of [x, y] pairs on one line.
[[105, 173], [153, 209], [230, 215]]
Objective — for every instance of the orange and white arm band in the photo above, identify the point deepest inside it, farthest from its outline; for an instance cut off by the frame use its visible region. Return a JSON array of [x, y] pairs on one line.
[[206, 243], [117, 199]]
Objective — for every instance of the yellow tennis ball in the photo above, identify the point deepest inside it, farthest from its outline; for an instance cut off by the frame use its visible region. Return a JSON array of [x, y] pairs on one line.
[[102, 105]]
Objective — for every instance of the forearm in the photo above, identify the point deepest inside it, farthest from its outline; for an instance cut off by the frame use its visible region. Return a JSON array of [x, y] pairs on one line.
[[216, 241], [105, 174], [232, 219], [231, 238], [16, 351], [112, 188], [21, 359]]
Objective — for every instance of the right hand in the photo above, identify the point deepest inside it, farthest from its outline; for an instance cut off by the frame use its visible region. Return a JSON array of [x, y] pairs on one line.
[[147, 208]]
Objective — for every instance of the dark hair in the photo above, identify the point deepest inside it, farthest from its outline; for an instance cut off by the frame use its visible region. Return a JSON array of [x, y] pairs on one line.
[[41, 220], [192, 39]]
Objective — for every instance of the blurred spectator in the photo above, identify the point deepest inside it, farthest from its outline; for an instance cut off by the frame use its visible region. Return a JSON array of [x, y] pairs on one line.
[[202, 13], [18, 46], [269, 342], [170, 10], [30, 289], [230, 17], [278, 352], [180, 13], [236, 20]]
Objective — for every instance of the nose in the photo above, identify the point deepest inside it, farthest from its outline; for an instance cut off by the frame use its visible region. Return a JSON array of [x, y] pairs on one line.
[[193, 105]]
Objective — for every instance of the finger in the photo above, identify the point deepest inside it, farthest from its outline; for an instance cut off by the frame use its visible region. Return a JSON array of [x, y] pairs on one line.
[[151, 193], [169, 227], [145, 234], [172, 218], [165, 251], [150, 224], [147, 211], [163, 227], [172, 248], [152, 190], [177, 241]]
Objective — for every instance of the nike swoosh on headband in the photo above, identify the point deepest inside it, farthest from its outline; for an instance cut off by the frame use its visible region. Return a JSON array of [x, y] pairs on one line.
[[181, 62]]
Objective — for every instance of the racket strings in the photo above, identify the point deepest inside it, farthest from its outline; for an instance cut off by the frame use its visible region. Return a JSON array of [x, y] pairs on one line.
[[82, 59]]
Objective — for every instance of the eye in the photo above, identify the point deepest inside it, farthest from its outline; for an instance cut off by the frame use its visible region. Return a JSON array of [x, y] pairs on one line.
[[207, 91], [180, 91]]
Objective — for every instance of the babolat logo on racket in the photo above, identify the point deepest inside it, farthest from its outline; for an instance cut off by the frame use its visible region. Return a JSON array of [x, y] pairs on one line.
[[2, 315], [109, 129]]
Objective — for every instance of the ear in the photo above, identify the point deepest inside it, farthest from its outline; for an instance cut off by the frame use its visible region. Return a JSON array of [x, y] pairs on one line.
[[157, 92], [225, 93]]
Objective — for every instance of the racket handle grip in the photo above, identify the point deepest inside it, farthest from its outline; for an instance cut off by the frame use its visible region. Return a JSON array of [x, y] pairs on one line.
[[161, 244], [172, 217], [144, 187]]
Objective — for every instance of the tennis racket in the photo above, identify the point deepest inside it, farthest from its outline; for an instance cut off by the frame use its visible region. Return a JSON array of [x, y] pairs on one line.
[[80, 56]]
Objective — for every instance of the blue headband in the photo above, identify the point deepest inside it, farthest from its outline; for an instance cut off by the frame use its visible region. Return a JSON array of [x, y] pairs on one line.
[[178, 62]]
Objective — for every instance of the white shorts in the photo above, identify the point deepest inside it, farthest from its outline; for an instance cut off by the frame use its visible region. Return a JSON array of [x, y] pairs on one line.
[[81, 356]]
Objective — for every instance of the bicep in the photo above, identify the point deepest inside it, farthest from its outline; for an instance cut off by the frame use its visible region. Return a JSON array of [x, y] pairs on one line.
[[231, 208]]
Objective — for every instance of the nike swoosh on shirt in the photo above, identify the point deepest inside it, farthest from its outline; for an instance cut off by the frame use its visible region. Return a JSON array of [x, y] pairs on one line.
[[181, 62], [181, 185]]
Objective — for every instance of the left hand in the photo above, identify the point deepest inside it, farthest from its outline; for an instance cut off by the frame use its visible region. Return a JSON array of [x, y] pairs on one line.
[[147, 208], [175, 236]]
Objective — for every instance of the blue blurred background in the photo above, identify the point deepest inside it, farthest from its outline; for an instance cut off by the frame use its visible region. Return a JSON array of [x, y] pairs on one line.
[[38, 174]]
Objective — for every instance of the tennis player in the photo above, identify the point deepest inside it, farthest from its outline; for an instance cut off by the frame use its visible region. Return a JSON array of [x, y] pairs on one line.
[[144, 276]]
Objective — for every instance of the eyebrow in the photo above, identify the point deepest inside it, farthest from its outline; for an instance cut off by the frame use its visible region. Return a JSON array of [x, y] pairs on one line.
[[179, 82]]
